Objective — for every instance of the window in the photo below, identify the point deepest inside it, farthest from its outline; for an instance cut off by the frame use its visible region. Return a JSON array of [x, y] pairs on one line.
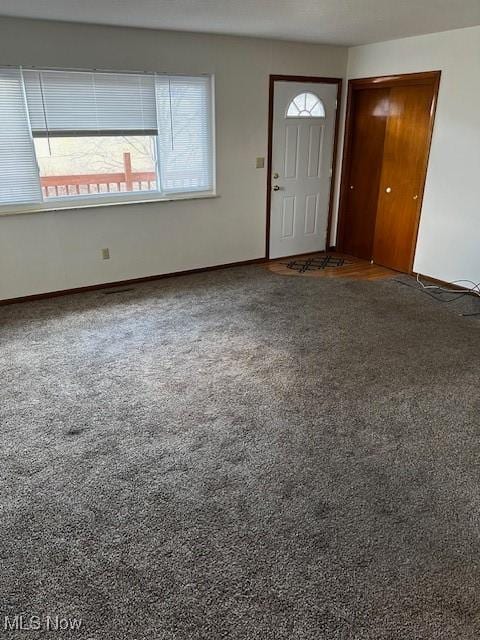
[[76, 135], [73, 166], [306, 105]]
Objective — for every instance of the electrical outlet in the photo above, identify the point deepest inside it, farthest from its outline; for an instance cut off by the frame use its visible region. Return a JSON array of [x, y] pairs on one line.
[[260, 163], [106, 254]]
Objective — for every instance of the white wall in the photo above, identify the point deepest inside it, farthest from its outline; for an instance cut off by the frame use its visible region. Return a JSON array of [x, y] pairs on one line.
[[448, 245], [53, 251]]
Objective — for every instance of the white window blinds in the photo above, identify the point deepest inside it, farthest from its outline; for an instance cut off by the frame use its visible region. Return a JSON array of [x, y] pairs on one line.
[[19, 180], [184, 108], [90, 103], [176, 112]]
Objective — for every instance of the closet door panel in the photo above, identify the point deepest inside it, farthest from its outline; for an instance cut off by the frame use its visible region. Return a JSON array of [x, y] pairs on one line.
[[371, 108], [404, 161]]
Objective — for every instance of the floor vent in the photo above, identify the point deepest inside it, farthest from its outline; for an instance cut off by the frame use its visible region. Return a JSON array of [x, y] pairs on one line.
[[109, 293]]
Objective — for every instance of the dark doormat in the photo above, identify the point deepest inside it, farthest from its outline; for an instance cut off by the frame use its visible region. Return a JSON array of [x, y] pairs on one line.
[[314, 263]]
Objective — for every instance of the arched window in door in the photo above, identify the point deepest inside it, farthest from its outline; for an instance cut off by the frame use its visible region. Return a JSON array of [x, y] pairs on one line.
[[306, 105]]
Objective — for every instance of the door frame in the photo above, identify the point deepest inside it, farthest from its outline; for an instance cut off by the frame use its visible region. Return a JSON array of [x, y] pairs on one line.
[[357, 84], [271, 89]]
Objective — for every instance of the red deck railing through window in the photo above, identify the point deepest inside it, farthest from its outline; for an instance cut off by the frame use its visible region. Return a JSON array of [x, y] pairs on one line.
[[89, 183]]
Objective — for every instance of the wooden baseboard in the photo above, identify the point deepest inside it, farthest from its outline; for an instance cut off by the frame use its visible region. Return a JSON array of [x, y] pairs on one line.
[[120, 283]]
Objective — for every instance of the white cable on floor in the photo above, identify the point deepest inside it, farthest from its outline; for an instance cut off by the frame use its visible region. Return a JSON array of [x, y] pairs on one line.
[[475, 289]]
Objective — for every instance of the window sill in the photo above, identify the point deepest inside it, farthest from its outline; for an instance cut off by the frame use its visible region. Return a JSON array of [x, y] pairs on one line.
[[70, 206]]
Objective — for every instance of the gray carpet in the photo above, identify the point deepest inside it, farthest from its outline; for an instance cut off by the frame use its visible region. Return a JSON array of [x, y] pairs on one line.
[[241, 455]]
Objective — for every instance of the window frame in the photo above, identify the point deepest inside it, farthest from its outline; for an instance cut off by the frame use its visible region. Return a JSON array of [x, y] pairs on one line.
[[96, 200]]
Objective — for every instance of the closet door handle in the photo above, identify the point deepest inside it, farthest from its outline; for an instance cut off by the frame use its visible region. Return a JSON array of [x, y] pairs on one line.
[[388, 190]]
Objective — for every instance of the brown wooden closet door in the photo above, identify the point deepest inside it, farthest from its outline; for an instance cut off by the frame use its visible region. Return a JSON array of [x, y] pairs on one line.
[[404, 163], [370, 111]]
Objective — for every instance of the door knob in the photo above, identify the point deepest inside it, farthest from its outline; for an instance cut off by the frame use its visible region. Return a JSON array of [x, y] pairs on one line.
[[388, 190], [276, 176], [276, 188], [415, 197]]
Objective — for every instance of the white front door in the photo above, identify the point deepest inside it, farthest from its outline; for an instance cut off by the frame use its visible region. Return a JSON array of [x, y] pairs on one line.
[[302, 152]]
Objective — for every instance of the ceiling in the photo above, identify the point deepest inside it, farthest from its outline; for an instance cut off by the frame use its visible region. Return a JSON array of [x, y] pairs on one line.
[[342, 22]]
